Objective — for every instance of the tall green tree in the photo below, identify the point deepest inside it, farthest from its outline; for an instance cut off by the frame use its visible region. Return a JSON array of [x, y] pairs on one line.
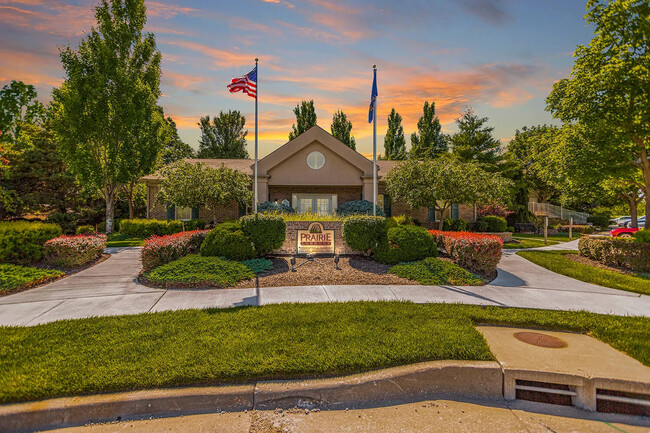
[[305, 118], [195, 185], [341, 129], [394, 141], [609, 89], [474, 140], [106, 113], [18, 105], [443, 181], [174, 148], [428, 142], [225, 137]]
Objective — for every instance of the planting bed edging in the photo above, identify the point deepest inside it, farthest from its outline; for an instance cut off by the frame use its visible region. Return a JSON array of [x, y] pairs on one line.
[[463, 379]]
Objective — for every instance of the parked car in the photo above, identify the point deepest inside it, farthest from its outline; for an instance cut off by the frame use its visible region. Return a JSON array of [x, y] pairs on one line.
[[623, 220], [623, 232], [640, 222]]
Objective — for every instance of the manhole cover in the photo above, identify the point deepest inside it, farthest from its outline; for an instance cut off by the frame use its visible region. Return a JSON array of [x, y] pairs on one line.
[[541, 340]]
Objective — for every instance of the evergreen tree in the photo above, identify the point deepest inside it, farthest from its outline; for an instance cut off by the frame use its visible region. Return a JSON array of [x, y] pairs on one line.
[[474, 141], [341, 128], [305, 118], [225, 137], [394, 141], [174, 148], [430, 142], [105, 113]]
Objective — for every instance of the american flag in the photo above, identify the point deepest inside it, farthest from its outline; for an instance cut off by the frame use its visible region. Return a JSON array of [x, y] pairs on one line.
[[246, 84]]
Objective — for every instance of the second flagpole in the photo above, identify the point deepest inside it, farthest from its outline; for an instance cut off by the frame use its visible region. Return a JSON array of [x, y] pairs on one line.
[[374, 148], [257, 89]]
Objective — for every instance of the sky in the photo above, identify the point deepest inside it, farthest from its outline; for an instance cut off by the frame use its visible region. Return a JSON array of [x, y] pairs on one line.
[[499, 57]]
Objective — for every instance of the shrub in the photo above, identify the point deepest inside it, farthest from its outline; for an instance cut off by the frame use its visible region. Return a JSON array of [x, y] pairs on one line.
[[446, 224], [159, 250], [433, 271], [22, 242], [601, 221], [358, 207], [578, 228], [459, 225], [198, 270], [495, 224], [364, 232], [616, 252], [480, 226], [14, 277], [477, 253], [259, 266], [85, 230], [642, 236], [390, 223], [143, 228], [74, 251], [406, 244], [266, 232], [525, 227], [223, 241], [510, 229], [404, 220], [269, 206]]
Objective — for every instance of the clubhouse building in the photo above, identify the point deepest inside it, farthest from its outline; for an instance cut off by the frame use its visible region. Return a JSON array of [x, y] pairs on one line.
[[314, 172]]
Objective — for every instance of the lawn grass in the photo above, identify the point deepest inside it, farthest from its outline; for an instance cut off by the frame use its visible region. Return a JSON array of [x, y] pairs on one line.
[[558, 237], [433, 271], [556, 262], [126, 243], [194, 347], [13, 277], [213, 271], [527, 243]]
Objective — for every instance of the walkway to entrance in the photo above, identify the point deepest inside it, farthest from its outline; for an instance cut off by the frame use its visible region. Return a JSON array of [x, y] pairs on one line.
[[109, 288]]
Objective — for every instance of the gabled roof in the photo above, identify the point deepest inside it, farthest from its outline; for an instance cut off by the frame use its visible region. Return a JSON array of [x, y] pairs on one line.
[[315, 133], [242, 165]]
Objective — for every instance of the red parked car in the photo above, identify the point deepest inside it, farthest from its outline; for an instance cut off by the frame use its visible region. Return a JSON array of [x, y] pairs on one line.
[[623, 232]]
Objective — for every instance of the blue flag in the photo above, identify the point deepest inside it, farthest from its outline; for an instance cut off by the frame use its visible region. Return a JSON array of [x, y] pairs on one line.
[[373, 98]]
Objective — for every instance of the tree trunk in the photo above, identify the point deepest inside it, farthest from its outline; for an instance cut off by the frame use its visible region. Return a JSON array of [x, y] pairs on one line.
[[633, 211], [645, 169], [130, 196], [110, 211]]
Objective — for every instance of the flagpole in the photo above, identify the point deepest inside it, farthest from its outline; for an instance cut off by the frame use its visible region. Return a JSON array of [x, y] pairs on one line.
[[374, 148], [257, 89]]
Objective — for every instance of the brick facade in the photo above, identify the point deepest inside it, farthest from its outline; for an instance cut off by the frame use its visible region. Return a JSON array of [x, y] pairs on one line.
[[159, 211], [343, 193]]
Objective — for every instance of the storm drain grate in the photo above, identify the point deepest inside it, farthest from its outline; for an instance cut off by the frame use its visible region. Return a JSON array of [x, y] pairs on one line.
[[540, 340], [544, 392]]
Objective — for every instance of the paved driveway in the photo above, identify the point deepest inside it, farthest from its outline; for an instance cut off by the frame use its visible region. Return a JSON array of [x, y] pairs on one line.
[[109, 288]]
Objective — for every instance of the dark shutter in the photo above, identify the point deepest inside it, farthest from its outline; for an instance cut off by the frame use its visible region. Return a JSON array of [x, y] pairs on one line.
[[387, 205], [171, 211], [432, 214], [454, 211], [195, 213]]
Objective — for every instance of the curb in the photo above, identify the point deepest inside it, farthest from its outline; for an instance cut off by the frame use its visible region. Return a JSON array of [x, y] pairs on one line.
[[465, 379]]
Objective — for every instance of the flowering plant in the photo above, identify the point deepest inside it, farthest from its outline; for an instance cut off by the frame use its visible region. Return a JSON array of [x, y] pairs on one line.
[[476, 252], [73, 251], [159, 250]]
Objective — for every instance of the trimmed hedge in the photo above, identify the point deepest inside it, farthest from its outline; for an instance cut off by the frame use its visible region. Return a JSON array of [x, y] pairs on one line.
[[599, 220], [194, 270], [406, 244], [143, 228], [22, 242], [642, 236], [477, 253], [433, 271], [365, 232], [226, 241], [159, 250], [457, 225], [266, 232], [616, 252], [74, 251], [358, 207], [491, 223], [85, 230], [578, 228]]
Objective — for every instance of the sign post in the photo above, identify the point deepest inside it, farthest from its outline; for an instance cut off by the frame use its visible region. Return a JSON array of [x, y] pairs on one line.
[[545, 230], [571, 228]]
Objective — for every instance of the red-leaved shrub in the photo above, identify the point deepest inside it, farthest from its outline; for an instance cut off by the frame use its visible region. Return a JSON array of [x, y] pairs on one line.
[[159, 250], [74, 251], [472, 251]]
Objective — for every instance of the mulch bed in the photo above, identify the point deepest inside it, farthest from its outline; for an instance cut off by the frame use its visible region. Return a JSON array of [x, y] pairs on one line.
[[596, 264], [66, 273], [354, 270]]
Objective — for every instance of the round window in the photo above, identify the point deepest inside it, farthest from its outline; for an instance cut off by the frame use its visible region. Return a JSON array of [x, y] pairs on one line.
[[315, 160]]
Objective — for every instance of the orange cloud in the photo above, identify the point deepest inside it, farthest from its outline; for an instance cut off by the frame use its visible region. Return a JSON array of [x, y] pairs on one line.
[[58, 18], [166, 11], [220, 58], [183, 81]]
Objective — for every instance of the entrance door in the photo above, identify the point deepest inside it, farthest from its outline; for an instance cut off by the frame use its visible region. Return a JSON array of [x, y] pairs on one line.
[[321, 204]]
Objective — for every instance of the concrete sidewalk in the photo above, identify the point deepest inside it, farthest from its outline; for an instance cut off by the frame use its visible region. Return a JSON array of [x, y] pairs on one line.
[[109, 288]]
